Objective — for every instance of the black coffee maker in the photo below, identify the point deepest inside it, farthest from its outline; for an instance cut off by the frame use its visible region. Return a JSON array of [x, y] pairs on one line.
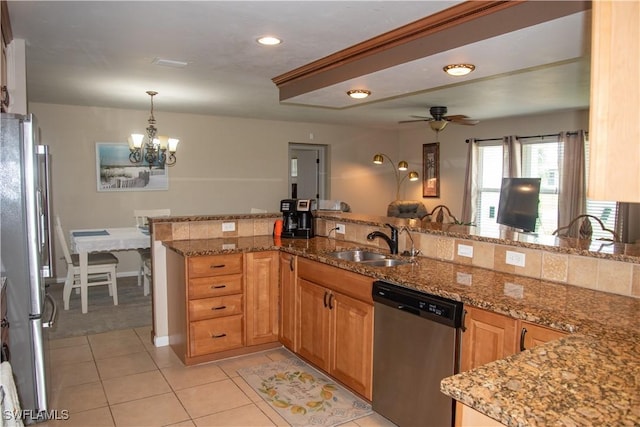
[[297, 220]]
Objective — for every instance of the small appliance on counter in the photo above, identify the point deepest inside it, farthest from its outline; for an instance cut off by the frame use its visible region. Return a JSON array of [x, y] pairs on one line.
[[297, 218]]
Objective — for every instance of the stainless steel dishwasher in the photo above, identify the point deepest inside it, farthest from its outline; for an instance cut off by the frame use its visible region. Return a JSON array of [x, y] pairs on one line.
[[416, 345]]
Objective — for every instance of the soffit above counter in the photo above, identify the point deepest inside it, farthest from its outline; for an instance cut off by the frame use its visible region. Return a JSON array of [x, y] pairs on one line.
[[385, 60]]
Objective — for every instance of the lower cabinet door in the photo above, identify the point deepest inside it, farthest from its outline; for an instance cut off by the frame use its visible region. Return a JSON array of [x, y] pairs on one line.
[[210, 336]]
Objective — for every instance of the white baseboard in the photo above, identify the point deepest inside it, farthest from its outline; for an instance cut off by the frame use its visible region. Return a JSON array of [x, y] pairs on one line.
[[161, 341]]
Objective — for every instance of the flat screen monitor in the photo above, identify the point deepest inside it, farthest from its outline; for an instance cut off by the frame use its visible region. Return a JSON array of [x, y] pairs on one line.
[[518, 206]]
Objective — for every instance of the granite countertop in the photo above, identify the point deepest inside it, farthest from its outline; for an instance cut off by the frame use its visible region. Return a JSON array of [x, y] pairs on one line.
[[591, 377]]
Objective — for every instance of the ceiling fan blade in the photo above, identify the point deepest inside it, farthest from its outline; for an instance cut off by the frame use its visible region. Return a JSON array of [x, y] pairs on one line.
[[466, 122], [422, 117], [412, 121], [455, 117]]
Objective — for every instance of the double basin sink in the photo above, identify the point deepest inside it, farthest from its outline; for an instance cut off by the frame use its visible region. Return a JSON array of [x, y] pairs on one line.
[[369, 258]]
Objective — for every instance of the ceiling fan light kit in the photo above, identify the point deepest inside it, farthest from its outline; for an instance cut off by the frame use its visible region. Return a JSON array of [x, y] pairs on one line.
[[358, 93], [459, 69]]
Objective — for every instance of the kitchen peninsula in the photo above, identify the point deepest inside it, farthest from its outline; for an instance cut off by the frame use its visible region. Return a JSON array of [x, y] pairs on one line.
[[589, 377]]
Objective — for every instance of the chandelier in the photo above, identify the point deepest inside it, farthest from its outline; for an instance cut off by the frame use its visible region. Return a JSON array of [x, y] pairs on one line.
[[154, 150], [378, 159]]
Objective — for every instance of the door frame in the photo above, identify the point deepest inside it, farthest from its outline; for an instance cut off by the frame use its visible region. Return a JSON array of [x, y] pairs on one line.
[[322, 171]]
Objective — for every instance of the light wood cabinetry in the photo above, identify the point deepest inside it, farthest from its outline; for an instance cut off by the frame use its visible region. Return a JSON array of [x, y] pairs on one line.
[[261, 278], [287, 313], [490, 336], [614, 128], [335, 323], [209, 308]]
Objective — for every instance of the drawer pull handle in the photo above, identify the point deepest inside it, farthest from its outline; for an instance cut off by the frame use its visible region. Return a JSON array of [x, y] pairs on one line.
[[218, 266], [221, 307], [218, 336], [218, 286], [523, 332]]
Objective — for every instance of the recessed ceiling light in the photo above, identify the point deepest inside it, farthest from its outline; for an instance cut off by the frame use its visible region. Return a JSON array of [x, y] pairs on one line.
[[269, 41], [459, 69], [358, 93]]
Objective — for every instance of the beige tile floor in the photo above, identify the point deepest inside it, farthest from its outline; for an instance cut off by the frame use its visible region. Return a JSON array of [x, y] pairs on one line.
[[120, 379]]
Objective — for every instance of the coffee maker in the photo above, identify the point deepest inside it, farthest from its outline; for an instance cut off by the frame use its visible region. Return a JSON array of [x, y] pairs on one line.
[[297, 220]]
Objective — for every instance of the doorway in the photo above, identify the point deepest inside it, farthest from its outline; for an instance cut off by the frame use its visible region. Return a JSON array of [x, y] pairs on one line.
[[308, 171]]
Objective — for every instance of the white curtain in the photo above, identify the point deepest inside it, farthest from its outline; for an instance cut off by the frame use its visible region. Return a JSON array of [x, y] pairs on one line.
[[511, 157], [470, 195], [572, 191]]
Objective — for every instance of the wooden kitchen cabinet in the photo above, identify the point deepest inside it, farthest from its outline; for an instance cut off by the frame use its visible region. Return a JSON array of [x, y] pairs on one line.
[[488, 337], [335, 323], [492, 336], [261, 293], [532, 335], [221, 305], [287, 312]]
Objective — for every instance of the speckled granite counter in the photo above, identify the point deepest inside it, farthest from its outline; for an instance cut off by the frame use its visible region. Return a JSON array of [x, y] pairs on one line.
[[590, 378]]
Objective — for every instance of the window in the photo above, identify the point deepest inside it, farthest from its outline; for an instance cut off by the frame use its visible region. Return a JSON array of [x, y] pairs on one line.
[[540, 159]]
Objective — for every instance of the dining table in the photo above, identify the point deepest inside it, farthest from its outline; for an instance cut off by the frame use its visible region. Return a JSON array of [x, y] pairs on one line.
[[84, 242]]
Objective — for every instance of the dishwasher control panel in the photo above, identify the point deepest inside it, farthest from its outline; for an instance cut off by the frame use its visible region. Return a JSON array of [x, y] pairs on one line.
[[442, 310]]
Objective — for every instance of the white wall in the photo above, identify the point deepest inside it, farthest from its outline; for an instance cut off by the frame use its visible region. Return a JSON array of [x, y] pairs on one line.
[[453, 149], [225, 165]]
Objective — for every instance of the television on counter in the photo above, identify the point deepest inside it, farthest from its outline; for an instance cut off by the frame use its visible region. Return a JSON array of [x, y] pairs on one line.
[[518, 205]]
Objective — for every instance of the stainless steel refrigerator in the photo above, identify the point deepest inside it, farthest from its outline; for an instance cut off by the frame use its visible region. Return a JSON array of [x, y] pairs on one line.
[[25, 256]]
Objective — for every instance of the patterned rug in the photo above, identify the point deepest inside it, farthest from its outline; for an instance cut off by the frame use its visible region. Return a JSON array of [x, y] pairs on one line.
[[302, 395]]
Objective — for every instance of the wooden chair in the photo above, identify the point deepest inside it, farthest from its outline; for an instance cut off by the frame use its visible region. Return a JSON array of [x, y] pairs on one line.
[[101, 270], [142, 220], [585, 230], [442, 215]]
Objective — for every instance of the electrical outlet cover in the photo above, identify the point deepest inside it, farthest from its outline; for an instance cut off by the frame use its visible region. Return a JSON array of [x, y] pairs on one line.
[[515, 258], [340, 228], [228, 226]]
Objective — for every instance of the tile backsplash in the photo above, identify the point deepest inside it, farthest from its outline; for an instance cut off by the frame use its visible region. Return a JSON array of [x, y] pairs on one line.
[[589, 272]]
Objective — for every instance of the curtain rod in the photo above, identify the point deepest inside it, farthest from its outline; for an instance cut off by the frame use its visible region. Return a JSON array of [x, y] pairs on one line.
[[523, 137]]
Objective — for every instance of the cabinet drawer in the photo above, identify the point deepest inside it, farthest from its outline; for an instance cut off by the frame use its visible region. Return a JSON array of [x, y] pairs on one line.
[[205, 287], [210, 336], [215, 265], [209, 308]]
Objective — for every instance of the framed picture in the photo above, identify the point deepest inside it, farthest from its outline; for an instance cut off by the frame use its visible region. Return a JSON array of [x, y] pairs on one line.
[[114, 171], [431, 170]]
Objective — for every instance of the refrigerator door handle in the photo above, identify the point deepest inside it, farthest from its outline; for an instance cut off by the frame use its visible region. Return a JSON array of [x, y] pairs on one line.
[[54, 312]]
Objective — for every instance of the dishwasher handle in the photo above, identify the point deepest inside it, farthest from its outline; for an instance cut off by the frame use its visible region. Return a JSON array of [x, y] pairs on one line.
[[408, 309]]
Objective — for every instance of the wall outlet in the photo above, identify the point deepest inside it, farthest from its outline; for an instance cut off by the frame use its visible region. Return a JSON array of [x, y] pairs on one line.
[[340, 228], [515, 258], [465, 251], [228, 226]]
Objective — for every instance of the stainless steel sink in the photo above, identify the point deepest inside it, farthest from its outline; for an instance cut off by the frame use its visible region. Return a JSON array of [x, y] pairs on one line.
[[369, 258], [386, 262], [357, 255]]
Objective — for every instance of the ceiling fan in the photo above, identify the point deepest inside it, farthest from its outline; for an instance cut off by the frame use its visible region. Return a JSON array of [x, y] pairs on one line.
[[438, 121]]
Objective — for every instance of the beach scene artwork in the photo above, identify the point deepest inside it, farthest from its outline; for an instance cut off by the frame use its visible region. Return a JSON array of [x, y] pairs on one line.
[[115, 172]]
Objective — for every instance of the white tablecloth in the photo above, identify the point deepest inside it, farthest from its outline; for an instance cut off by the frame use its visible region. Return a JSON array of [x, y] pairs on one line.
[[116, 239]]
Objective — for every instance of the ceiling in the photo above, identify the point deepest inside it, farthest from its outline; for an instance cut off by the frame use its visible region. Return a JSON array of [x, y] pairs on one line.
[[101, 53]]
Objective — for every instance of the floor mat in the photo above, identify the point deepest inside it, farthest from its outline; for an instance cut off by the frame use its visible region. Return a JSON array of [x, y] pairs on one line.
[[302, 395]]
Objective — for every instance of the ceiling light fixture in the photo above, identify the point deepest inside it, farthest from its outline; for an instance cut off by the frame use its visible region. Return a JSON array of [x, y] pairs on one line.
[[154, 151], [358, 93], [459, 69], [378, 159], [269, 41]]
